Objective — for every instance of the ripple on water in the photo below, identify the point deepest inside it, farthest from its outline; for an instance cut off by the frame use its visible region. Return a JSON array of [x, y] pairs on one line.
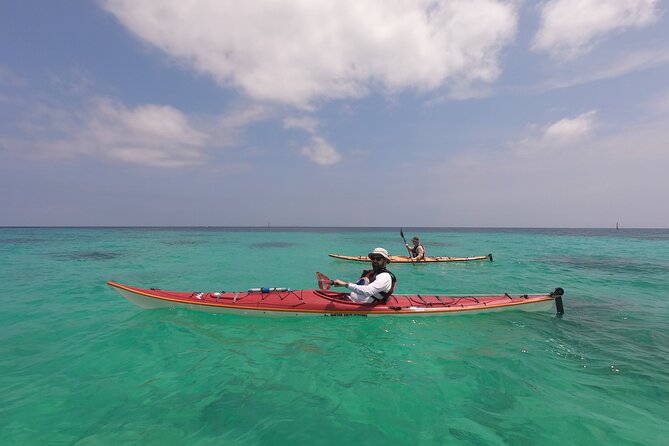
[[614, 265]]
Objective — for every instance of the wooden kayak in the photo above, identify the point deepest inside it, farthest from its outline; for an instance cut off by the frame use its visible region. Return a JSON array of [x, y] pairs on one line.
[[287, 302], [407, 259]]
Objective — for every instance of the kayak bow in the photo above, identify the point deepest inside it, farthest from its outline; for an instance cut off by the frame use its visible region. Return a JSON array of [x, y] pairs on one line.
[[287, 302]]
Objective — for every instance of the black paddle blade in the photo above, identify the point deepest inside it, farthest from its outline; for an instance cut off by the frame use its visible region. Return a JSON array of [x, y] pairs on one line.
[[324, 283]]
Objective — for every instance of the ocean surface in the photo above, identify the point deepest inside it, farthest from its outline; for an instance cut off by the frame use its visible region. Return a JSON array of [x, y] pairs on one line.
[[80, 365]]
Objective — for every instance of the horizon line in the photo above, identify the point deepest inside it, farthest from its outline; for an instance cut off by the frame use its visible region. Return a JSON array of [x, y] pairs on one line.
[[614, 228]]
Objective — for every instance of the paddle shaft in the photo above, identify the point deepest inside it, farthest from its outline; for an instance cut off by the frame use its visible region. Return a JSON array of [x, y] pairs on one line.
[[407, 246]]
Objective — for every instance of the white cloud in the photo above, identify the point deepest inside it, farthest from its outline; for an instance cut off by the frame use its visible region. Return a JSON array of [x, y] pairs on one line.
[[306, 123], [591, 181], [559, 134], [613, 67], [298, 52], [153, 135], [150, 134], [570, 129], [571, 27], [321, 152], [242, 116]]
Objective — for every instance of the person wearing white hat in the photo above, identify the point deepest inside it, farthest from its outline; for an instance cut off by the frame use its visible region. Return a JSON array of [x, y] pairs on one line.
[[375, 285]]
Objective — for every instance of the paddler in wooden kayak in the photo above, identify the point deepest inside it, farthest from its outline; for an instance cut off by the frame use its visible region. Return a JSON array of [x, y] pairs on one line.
[[375, 285], [417, 251]]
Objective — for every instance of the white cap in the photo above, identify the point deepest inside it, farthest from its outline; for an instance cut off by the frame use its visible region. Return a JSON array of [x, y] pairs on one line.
[[380, 252]]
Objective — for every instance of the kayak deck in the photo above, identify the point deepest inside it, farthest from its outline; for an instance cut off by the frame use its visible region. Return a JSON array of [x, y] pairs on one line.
[[407, 259], [286, 302]]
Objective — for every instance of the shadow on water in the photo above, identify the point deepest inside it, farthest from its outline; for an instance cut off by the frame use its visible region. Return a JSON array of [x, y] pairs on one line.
[[19, 241], [87, 256], [184, 242], [436, 244], [264, 245]]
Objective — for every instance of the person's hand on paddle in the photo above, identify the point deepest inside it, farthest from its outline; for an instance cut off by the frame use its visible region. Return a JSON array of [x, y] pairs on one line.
[[339, 282], [410, 252], [324, 282], [407, 245]]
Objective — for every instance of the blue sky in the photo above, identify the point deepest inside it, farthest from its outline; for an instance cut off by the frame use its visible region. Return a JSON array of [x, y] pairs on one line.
[[418, 113]]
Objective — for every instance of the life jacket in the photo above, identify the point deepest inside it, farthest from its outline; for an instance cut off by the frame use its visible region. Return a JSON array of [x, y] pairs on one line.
[[369, 275], [414, 250]]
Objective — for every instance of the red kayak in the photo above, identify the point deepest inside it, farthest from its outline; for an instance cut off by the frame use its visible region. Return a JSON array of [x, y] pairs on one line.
[[287, 302]]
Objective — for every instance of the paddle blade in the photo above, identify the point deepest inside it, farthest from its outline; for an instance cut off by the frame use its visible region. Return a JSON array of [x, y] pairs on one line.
[[324, 283]]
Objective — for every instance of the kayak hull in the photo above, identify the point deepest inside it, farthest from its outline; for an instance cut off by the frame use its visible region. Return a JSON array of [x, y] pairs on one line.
[[407, 259], [291, 303]]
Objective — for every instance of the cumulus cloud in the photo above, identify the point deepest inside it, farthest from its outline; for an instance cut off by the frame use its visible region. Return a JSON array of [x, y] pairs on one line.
[[570, 129], [321, 152], [151, 135], [572, 27], [298, 52], [559, 134], [318, 150], [154, 135]]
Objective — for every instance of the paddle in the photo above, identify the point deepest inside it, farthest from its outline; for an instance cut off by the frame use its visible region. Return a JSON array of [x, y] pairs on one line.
[[324, 283], [406, 246]]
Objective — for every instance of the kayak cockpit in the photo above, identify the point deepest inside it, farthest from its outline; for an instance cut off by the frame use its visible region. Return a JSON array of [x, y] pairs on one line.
[[342, 298]]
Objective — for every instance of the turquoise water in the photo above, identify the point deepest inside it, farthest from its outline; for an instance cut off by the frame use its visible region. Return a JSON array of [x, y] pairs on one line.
[[81, 365]]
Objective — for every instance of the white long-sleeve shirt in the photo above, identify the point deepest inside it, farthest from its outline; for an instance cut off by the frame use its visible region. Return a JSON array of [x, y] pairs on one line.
[[363, 293]]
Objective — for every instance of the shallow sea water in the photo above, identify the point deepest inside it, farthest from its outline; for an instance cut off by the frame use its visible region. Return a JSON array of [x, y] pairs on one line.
[[81, 365]]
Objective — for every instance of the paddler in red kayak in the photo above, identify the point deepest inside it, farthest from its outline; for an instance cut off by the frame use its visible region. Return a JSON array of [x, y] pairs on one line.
[[375, 285], [417, 251]]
